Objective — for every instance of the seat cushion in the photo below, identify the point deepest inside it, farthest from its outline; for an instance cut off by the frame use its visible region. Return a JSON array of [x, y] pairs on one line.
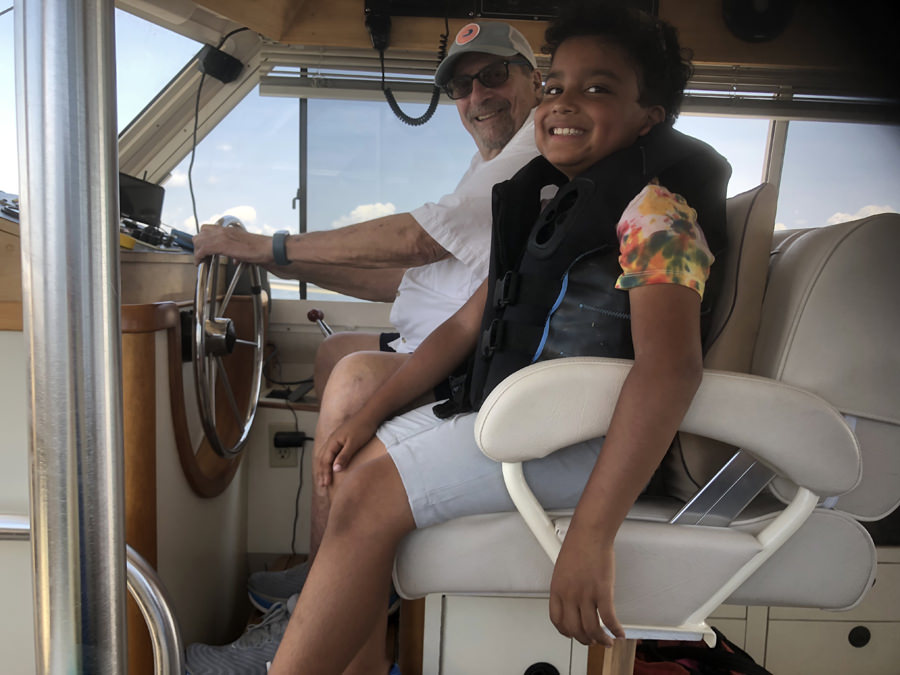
[[496, 555], [829, 563]]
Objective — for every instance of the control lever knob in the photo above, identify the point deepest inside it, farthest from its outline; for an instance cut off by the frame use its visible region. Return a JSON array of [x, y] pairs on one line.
[[318, 317]]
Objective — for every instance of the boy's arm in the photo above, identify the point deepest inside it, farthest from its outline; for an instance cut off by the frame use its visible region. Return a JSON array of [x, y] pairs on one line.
[[434, 360], [668, 367]]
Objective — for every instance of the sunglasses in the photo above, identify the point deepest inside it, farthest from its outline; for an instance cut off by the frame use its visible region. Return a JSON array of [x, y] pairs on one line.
[[491, 76]]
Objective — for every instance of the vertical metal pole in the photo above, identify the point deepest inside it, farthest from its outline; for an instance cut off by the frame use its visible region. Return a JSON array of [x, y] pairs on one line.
[[66, 119], [303, 190]]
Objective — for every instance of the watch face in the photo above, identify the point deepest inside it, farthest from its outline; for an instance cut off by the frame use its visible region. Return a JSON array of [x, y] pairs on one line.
[[755, 21]]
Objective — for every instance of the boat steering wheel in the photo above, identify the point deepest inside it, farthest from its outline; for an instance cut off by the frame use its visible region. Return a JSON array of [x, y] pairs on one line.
[[215, 342]]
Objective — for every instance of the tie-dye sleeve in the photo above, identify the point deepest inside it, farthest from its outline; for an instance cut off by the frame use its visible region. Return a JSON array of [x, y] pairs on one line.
[[661, 243]]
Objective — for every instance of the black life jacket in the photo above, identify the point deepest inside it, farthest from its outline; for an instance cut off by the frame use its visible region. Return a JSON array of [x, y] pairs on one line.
[[551, 286]]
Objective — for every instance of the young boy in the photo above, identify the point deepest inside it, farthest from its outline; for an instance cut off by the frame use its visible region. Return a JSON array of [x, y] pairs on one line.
[[613, 90]]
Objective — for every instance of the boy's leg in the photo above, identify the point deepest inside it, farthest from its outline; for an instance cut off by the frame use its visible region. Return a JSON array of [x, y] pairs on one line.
[[338, 624]]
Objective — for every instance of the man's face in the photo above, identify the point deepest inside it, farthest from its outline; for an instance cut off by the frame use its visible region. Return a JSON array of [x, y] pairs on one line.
[[493, 116]]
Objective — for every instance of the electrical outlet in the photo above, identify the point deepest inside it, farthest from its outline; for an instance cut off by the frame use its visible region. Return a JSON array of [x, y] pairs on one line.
[[281, 457]]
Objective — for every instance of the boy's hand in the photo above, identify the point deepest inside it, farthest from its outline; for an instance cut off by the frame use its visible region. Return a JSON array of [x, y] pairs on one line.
[[582, 586], [341, 446]]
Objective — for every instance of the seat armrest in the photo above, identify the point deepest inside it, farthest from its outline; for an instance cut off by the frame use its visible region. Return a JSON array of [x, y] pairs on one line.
[[553, 404]]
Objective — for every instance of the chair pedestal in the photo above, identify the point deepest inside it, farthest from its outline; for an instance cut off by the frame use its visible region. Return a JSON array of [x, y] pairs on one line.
[[619, 659]]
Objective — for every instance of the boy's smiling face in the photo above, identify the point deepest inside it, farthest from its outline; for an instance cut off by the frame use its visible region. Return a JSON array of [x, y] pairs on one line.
[[590, 107]]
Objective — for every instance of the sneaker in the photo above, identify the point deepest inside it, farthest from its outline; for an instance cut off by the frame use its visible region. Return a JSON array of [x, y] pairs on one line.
[[269, 587], [249, 654]]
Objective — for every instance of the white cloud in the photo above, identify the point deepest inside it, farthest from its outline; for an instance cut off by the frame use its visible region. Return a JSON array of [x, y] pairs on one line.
[[267, 230], [365, 212], [176, 179], [246, 214], [868, 210]]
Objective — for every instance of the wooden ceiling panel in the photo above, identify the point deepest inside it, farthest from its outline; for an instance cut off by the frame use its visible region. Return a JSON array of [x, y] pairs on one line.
[[813, 39]]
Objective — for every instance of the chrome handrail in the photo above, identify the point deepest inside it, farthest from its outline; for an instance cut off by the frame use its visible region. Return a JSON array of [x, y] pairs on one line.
[[14, 528], [151, 598], [148, 592]]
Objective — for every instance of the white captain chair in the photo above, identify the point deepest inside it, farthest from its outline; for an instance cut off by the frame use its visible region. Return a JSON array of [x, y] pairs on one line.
[[672, 575]]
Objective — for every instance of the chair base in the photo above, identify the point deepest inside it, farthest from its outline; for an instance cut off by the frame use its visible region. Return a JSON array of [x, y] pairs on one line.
[[619, 659]]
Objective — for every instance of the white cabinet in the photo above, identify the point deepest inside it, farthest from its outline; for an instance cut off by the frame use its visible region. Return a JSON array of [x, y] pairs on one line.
[[865, 639], [484, 636], [466, 635]]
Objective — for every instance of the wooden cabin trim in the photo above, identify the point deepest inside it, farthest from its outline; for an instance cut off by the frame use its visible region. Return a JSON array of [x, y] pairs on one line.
[[814, 39], [11, 316]]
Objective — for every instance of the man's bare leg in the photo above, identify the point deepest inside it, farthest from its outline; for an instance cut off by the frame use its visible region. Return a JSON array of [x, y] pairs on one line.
[[338, 624], [353, 380], [334, 348]]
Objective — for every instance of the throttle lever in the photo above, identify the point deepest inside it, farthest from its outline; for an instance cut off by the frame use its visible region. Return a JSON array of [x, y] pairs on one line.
[[318, 317]]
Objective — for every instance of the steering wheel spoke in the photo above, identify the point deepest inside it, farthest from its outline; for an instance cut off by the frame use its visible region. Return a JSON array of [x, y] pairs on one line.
[[236, 277], [229, 392]]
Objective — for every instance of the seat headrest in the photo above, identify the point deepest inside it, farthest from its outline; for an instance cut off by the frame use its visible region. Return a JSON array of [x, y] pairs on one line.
[[831, 316]]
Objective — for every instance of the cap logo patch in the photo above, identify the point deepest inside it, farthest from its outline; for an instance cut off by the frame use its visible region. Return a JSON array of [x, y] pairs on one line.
[[467, 33]]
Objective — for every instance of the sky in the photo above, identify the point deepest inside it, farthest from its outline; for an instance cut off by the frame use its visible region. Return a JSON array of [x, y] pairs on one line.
[[364, 163]]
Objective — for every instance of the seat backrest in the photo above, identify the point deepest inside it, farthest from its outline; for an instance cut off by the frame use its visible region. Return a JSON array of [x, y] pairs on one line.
[[750, 220], [830, 325]]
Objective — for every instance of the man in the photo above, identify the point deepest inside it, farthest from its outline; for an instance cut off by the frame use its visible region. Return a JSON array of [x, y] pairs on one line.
[[428, 262]]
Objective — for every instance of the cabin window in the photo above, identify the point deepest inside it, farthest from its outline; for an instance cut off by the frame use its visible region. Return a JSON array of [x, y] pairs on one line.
[[834, 172], [742, 141], [9, 169], [147, 57], [363, 162], [245, 167]]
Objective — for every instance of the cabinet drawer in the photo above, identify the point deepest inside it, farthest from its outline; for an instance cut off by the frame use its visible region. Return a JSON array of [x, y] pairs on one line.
[[879, 604], [823, 648], [734, 629], [494, 636]]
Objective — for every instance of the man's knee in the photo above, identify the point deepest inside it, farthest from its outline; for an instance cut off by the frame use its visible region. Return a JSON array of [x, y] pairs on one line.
[[334, 348], [358, 375]]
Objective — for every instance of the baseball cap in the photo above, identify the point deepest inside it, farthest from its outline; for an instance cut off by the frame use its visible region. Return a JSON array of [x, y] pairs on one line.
[[486, 37]]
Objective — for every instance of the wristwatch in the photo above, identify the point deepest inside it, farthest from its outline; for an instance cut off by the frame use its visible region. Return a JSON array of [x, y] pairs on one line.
[[278, 249]]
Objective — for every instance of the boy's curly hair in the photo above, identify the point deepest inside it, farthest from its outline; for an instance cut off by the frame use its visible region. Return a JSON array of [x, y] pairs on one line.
[[651, 44]]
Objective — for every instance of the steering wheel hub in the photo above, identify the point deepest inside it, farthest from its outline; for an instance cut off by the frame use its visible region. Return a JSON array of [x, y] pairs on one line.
[[220, 336]]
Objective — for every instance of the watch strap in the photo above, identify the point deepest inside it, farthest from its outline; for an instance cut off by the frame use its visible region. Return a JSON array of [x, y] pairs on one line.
[[279, 252]]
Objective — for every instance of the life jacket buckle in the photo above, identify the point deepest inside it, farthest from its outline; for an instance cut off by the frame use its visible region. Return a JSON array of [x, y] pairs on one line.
[[493, 337], [506, 289]]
